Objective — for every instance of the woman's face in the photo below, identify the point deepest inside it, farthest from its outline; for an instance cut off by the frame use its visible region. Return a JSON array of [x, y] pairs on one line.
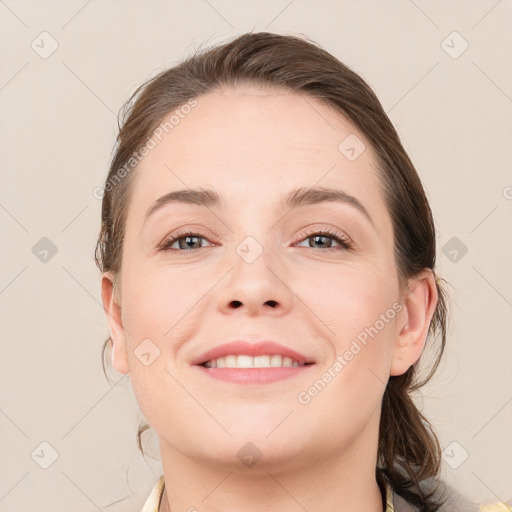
[[254, 270]]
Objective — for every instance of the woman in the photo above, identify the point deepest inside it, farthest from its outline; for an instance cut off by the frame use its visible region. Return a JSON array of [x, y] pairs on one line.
[[268, 258]]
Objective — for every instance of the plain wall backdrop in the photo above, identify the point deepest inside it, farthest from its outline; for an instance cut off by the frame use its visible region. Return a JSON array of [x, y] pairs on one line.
[[443, 72]]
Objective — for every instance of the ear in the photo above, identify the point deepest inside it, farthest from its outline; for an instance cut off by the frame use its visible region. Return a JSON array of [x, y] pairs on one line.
[[418, 311], [112, 309]]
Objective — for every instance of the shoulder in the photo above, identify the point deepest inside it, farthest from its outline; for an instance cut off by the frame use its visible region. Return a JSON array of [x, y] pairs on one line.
[[452, 500]]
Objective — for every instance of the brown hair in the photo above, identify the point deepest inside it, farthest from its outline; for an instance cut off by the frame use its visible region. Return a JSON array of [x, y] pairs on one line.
[[408, 449]]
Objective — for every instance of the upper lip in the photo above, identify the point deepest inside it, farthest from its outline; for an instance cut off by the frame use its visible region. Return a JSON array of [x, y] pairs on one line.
[[241, 347]]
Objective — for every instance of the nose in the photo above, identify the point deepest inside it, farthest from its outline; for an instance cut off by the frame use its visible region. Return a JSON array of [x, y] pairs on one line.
[[256, 288], [236, 303]]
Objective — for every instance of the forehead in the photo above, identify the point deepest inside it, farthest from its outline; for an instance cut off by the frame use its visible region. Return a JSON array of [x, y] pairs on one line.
[[253, 145]]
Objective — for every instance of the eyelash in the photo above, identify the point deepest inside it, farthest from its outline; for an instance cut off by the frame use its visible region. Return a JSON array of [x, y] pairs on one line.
[[343, 241]]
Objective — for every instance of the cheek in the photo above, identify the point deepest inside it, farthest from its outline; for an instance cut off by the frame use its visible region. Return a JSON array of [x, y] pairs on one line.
[[350, 300], [348, 388], [159, 301], [358, 313], [162, 309]]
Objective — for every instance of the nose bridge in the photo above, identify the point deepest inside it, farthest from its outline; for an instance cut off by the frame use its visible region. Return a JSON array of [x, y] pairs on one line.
[[253, 233], [256, 279], [254, 259]]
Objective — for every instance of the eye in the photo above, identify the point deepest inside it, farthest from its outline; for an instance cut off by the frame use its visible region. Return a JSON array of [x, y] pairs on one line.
[[187, 241], [322, 237]]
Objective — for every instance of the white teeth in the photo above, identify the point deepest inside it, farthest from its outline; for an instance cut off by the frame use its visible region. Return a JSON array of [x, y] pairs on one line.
[[245, 361]]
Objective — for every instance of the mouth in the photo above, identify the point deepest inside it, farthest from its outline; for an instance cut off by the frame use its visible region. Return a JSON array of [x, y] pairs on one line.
[[246, 369], [260, 361], [244, 362], [257, 376]]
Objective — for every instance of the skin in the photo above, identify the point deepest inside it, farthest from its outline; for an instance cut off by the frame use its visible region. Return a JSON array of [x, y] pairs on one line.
[[252, 146]]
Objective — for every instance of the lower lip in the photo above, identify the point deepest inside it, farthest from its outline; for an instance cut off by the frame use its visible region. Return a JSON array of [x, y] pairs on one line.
[[254, 375]]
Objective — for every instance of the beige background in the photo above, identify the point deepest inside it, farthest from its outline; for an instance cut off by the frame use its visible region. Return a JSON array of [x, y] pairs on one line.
[[57, 127]]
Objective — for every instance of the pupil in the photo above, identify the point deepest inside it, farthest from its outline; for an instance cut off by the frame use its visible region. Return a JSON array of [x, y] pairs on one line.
[[188, 242], [316, 238]]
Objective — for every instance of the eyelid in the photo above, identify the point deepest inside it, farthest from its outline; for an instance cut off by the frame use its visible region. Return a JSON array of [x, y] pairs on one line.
[[181, 233], [345, 241], [326, 231]]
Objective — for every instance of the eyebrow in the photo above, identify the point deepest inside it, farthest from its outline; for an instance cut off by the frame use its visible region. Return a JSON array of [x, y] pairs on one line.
[[296, 198]]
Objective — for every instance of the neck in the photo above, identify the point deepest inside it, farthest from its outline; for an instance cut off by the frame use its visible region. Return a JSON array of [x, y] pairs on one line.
[[339, 480]]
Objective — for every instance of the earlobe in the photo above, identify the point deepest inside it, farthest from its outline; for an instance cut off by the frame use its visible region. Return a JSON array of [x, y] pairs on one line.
[[419, 308], [112, 310]]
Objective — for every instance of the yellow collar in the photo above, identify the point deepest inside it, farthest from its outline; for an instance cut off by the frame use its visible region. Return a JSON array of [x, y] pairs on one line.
[[153, 502], [389, 497]]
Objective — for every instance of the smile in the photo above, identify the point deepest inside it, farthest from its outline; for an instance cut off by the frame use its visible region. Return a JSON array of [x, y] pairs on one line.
[[243, 369], [246, 361]]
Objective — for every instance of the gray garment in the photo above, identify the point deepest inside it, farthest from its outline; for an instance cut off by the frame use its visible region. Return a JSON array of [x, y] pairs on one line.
[[455, 501]]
